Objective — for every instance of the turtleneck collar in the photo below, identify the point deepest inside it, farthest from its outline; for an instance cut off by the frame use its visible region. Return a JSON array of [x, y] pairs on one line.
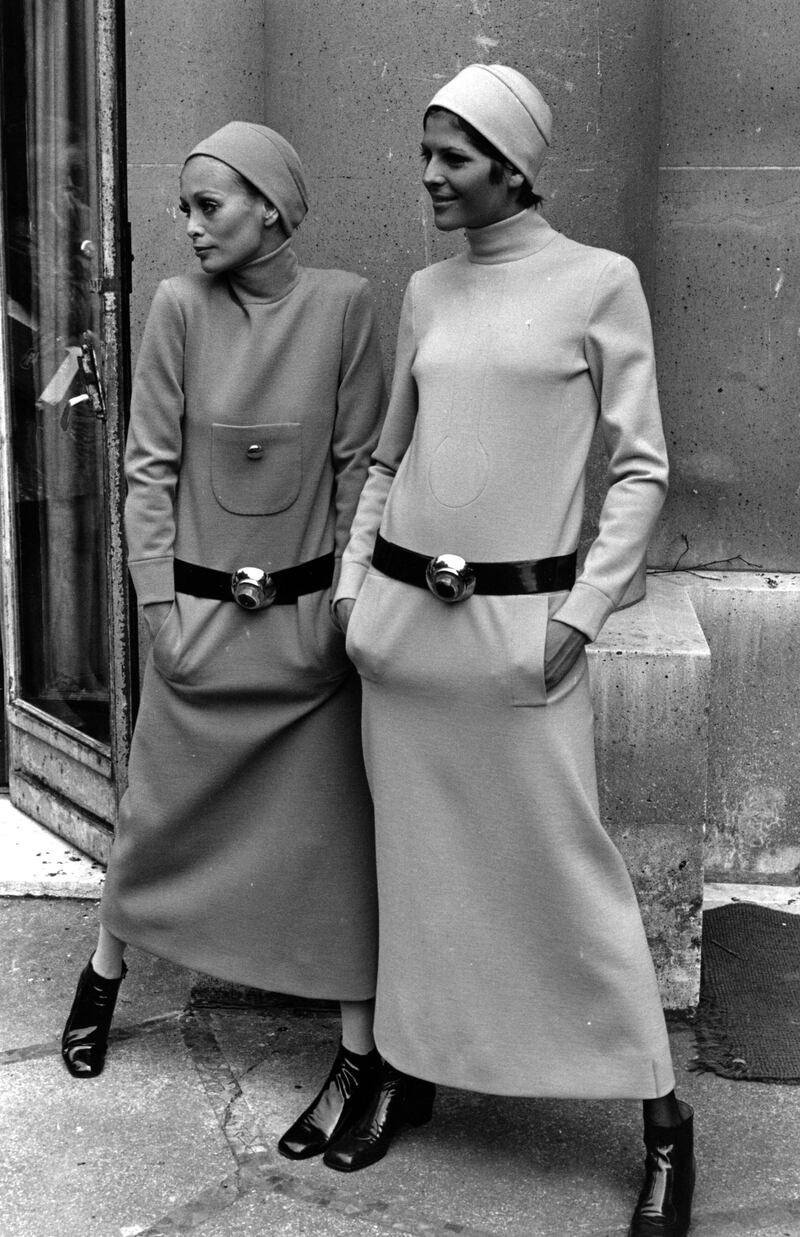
[[510, 239], [266, 279]]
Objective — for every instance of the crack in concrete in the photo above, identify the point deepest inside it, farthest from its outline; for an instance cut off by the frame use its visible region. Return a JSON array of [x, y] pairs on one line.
[[256, 1167], [256, 1174]]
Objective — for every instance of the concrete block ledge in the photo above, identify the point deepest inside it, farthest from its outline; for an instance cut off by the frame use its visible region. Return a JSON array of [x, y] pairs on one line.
[[752, 621], [650, 675]]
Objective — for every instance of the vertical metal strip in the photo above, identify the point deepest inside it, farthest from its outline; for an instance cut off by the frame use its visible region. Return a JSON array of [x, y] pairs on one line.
[[9, 579], [114, 266]]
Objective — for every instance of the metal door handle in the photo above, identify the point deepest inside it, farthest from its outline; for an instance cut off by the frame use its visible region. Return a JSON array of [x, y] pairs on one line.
[[87, 363]]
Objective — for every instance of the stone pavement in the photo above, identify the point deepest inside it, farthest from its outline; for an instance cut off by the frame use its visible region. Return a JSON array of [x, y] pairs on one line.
[[178, 1135]]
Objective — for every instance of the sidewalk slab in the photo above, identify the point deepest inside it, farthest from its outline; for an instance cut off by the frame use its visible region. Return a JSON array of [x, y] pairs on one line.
[[38, 863], [784, 898], [534, 1167], [178, 1136], [107, 1155], [45, 945], [277, 1215]]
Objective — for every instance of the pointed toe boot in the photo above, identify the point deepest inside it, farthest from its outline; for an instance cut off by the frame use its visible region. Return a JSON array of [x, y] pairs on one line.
[[664, 1208], [345, 1091], [398, 1099], [85, 1037]]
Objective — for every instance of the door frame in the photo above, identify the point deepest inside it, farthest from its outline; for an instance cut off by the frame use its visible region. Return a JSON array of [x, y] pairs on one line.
[[68, 781]]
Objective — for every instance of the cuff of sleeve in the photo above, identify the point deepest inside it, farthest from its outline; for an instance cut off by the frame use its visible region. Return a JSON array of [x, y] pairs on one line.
[[351, 577], [586, 608], [153, 579]]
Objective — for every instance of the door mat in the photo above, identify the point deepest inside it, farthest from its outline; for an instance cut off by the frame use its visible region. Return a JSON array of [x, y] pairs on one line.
[[748, 1018]]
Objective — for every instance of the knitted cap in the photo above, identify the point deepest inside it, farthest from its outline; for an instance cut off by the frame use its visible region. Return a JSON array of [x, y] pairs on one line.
[[264, 158], [506, 108]]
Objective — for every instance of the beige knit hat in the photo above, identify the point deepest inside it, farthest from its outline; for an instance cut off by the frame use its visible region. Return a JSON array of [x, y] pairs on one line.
[[506, 108], [267, 160]]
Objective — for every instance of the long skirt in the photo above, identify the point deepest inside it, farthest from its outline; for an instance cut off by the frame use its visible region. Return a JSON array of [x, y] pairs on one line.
[[512, 957], [245, 846]]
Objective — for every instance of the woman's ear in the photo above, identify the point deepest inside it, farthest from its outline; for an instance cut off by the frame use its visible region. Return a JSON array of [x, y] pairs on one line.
[[270, 216], [515, 179]]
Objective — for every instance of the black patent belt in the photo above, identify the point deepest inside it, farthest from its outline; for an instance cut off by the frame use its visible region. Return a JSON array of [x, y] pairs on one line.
[[451, 578], [253, 588]]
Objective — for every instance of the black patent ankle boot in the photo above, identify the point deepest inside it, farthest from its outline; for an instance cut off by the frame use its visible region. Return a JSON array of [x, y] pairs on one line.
[[85, 1037], [398, 1099], [664, 1208], [344, 1093]]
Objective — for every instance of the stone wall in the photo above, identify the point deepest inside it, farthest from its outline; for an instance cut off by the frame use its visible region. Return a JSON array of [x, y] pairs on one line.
[[752, 623], [650, 675], [727, 313], [674, 143], [349, 83], [727, 305], [190, 69]]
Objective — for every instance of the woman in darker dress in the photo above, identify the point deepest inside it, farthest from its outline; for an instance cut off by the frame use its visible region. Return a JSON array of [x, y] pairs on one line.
[[245, 843]]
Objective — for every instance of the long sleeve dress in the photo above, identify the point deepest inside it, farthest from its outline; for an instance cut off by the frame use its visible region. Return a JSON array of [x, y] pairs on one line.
[[512, 954], [245, 846]]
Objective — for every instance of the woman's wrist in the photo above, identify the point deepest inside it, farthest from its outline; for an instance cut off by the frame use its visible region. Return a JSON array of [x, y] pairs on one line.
[[342, 609], [155, 614]]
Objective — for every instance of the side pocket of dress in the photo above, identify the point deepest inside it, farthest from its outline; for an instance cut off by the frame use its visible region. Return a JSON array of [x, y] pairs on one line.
[[361, 627], [527, 633], [321, 636], [163, 650]]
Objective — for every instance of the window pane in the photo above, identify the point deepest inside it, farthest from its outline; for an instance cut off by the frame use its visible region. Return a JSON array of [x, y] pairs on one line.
[[52, 231]]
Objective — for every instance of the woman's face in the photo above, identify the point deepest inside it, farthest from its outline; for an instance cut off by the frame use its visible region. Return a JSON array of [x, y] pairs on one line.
[[224, 221], [456, 176]]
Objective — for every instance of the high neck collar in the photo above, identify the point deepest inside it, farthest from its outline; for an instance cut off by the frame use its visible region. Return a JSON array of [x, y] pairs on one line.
[[510, 239], [267, 279]]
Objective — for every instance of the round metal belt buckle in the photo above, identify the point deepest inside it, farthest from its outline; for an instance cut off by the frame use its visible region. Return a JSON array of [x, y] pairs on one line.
[[450, 578], [252, 588]]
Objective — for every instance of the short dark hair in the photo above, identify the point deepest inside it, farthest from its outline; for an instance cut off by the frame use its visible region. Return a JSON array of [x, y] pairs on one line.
[[500, 163]]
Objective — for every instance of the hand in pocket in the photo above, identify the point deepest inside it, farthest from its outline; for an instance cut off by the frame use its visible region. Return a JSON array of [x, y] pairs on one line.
[[342, 611], [562, 649], [155, 613]]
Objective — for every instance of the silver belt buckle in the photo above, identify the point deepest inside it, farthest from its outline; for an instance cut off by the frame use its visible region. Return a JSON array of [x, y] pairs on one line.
[[252, 588], [450, 578]]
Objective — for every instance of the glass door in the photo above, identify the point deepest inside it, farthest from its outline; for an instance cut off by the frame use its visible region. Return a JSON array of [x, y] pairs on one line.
[[66, 602]]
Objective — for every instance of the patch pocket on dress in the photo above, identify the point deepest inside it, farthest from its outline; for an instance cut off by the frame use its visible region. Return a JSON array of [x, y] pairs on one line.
[[527, 632], [256, 469]]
